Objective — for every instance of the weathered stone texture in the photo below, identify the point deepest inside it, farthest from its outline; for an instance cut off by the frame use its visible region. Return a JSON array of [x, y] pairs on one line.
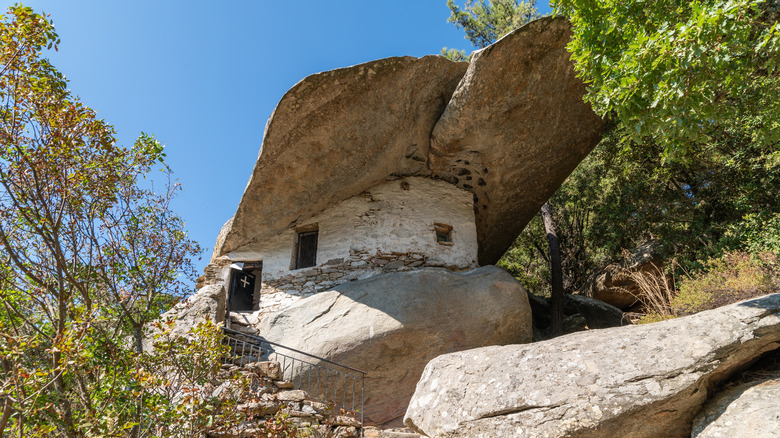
[[391, 325], [751, 410], [634, 381], [336, 133], [515, 128], [511, 130]]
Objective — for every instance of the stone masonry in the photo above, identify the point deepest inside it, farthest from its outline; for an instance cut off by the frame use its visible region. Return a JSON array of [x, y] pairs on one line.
[[285, 290]]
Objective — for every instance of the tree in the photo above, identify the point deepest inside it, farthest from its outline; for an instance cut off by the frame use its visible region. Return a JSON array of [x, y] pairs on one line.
[[485, 21], [556, 272], [678, 71], [695, 88], [89, 255]]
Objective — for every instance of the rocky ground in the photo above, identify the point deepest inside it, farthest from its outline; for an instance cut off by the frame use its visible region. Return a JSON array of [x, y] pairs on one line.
[[652, 380], [272, 405]]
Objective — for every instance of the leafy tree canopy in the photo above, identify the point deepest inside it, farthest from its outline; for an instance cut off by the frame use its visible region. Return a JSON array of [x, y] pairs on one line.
[[89, 255], [485, 21], [677, 70]]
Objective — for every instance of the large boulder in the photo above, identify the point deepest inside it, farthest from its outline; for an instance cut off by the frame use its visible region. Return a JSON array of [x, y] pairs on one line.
[[618, 284], [510, 131], [515, 128], [392, 324], [750, 410], [633, 381], [336, 133], [207, 304]]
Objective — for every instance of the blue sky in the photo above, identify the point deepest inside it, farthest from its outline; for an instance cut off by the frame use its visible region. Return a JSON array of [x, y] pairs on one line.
[[204, 77]]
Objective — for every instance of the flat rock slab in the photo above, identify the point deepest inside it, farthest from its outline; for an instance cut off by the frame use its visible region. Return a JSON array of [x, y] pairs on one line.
[[633, 381], [751, 410], [391, 325]]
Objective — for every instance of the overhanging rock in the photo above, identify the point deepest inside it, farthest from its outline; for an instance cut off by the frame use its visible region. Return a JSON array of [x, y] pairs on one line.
[[509, 126], [337, 133], [515, 128]]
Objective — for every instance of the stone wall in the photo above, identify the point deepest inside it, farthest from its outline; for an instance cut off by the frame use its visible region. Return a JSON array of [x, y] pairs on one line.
[[393, 216], [281, 292], [215, 272], [389, 227], [265, 398]]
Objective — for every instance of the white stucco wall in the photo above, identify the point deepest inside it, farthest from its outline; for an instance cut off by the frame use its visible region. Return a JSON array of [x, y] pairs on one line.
[[393, 216]]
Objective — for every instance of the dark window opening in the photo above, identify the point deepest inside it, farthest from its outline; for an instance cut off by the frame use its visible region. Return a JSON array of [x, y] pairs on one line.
[[306, 254], [443, 233]]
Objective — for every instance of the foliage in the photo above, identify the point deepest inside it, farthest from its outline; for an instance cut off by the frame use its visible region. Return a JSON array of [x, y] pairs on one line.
[[485, 21], [726, 198], [733, 277], [729, 278], [89, 255], [177, 381], [280, 426], [575, 205], [692, 207], [454, 54], [755, 232], [675, 71]]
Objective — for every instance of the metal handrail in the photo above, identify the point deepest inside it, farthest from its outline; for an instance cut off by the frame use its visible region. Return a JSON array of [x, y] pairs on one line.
[[260, 340], [253, 347]]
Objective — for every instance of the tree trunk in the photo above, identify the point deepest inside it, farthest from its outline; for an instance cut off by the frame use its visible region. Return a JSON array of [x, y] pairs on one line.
[[556, 301], [7, 404]]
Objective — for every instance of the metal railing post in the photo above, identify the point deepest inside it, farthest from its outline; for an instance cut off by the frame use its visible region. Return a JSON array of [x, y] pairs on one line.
[[320, 364]]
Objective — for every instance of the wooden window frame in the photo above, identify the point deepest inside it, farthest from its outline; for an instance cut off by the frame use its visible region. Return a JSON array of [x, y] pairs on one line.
[[296, 254], [443, 233]]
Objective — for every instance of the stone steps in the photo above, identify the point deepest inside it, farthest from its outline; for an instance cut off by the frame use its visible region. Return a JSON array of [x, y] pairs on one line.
[[373, 432]]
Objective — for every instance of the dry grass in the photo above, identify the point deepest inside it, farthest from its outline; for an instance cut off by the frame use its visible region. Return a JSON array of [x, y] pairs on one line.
[[728, 279], [656, 292]]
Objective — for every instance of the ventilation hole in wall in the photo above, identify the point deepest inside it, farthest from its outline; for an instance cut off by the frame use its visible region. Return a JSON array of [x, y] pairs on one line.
[[443, 233]]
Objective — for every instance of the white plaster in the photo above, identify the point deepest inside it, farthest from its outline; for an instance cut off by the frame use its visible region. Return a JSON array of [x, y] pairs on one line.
[[384, 218]]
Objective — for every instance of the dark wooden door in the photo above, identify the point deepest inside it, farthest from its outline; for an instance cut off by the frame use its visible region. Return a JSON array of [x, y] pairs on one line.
[[242, 290]]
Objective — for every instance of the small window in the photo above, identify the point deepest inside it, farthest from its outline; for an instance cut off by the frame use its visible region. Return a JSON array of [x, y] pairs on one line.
[[443, 233], [306, 251]]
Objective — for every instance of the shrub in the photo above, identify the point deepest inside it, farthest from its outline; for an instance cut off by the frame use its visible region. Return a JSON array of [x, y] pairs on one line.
[[733, 277]]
